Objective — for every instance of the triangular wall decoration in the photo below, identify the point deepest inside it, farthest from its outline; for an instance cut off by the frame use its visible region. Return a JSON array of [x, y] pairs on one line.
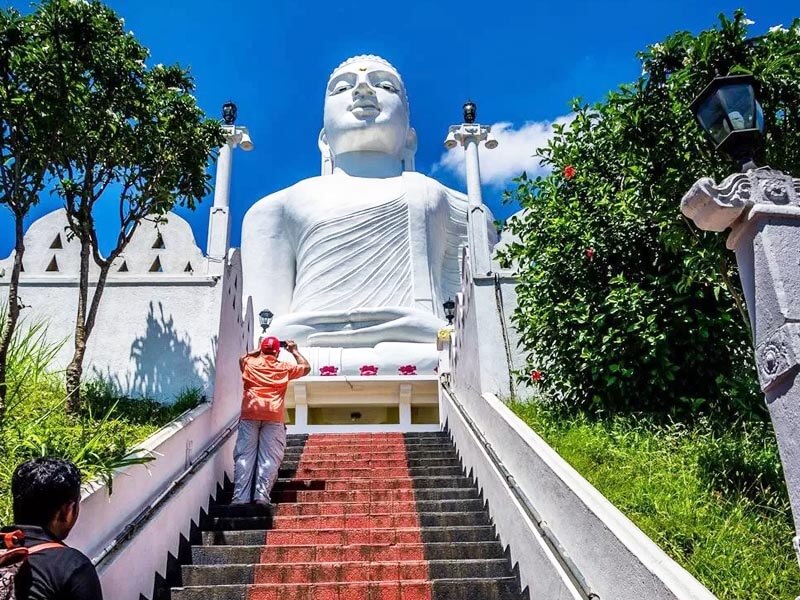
[[156, 266], [188, 268], [53, 266], [57, 243], [159, 243], [123, 268]]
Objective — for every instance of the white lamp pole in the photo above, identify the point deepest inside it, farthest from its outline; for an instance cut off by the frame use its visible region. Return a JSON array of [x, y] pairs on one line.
[[469, 134], [219, 227]]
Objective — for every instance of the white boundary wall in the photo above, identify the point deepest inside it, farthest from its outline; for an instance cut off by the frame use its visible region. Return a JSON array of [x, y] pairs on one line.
[[131, 569], [616, 559]]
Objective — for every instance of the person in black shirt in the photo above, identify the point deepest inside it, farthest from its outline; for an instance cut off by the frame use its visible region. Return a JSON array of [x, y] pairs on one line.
[[46, 496]]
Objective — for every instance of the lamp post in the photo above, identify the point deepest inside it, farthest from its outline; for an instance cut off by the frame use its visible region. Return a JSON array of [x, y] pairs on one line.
[[219, 225], [265, 319], [449, 310], [469, 134], [762, 208]]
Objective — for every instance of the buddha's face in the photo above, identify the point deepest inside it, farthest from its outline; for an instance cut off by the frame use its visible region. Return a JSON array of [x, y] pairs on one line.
[[366, 110]]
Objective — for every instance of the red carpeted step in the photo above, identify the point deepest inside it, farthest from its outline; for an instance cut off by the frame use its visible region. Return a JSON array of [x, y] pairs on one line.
[[297, 509], [330, 546], [393, 590], [326, 496], [357, 521], [333, 572]]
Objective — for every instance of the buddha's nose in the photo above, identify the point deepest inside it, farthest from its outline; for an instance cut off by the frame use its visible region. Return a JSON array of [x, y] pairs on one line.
[[363, 89]]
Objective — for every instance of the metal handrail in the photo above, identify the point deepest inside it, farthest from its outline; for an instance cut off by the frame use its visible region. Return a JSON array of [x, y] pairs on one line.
[[145, 515], [559, 552]]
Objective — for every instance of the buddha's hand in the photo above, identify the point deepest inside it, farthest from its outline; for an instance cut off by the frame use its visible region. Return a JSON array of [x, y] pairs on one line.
[[363, 327]]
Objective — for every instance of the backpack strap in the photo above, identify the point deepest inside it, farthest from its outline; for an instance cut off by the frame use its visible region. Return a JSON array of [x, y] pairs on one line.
[[13, 539], [45, 546]]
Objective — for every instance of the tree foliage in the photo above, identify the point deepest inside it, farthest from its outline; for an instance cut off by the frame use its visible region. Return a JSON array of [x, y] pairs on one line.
[[623, 304], [134, 136], [29, 120]]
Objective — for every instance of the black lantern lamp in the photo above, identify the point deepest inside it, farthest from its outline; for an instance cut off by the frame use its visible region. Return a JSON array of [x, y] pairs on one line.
[[229, 111], [449, 310], [265, 318], [470, 111], [731, 116]]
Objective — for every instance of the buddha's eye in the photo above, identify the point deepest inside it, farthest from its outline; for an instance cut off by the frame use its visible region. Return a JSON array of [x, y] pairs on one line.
[[340, 87], [388, 86]]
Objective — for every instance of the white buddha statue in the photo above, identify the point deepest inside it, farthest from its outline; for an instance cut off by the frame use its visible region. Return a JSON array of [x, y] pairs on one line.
[[355, 264]]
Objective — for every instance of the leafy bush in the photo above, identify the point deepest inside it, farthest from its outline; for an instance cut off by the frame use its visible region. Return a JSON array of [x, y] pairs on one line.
[[101, 396], [98, 440], [712, 496], [623, 304]]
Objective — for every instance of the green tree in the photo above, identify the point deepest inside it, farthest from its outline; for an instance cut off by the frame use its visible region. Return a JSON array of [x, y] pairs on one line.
[[30, 114], [623, 304], [134, 136]]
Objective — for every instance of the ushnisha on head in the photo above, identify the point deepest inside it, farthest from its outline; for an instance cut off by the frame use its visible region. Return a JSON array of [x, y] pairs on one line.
[[366, 110]]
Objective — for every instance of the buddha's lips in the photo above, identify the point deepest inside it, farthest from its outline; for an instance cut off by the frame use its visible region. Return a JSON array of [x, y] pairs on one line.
[[367, 106]]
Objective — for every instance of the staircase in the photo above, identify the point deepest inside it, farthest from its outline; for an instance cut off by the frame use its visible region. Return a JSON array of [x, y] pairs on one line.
[[357, 516]]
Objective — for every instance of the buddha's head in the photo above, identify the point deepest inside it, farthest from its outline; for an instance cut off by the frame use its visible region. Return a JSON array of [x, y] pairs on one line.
[[366, 110]]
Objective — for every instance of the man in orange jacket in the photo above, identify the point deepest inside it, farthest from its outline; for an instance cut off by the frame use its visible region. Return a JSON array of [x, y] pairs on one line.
[[262, 433]]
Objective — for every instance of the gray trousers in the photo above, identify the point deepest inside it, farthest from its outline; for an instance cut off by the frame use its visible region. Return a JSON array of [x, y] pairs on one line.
[[257, 456]]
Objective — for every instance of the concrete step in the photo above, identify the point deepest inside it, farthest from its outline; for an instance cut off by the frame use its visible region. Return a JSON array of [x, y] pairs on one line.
[[348, 508], [505, 588], [427, 480], [410, 437], [257, 537], [382, 521], [418, 487], [376, 495], [294, 454], [326, 462], [367, 472], [245, 555], [287, 572]]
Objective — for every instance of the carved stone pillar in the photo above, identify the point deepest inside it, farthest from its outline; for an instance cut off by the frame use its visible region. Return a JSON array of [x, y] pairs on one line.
[[762, 208]]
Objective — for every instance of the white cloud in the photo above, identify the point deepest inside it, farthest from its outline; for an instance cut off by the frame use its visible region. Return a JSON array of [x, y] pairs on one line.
[[514, 154]]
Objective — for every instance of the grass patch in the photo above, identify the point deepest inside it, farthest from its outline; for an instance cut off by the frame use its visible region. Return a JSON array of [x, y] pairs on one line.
[[713, 497], [98, 439]]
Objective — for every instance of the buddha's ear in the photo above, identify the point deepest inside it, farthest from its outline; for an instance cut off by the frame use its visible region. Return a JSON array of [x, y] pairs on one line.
[[411, 141], [410, 150], [325, 151]]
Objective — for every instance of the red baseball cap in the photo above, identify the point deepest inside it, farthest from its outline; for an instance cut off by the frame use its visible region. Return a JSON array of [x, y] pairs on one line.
[[271, 343]]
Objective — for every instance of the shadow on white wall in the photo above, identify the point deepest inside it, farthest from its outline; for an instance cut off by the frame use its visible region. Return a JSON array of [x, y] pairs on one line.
[[163, 361]]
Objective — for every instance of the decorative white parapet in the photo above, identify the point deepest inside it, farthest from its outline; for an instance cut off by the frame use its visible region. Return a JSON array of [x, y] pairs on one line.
[[568, 540], [762, 208]]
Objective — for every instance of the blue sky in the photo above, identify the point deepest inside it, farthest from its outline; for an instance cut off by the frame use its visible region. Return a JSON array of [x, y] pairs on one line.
[[521, 62]]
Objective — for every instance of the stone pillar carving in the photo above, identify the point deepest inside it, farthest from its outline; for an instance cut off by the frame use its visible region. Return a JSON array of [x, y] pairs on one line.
[[762, 208]]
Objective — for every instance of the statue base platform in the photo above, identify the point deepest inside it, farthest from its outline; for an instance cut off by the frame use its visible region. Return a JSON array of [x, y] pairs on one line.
[[385, 359], [372, 403]]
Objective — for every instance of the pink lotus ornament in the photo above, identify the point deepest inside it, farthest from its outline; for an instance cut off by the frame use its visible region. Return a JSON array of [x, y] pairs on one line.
[[328, 371], [368, 370], [408, 370]]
